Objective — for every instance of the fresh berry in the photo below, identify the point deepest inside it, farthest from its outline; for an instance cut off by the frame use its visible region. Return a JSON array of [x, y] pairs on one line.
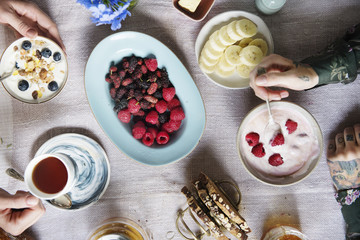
[[177, 114], [113, 93], [46, 53], [131, 93], [23, 85], [120, 104], [113, 76], [126, 81], [124, 115], [153, 131], [109, 80], [138, 130], [161, 106], [117, 82], [150, 99], [258, 150], [168, 93], [133, 106], [26, 45], [121, 92], [152, 88], [152, 77], [158, 94], [138, 95], [144, 84], [57, 57], [275, 160], [252, 138], [145, 104], [113, 69], [291, 126], [151, 64], [173, 104], [148, 139], [132, 64], [121, 74], [277, 140], [140, 113], [143, 69], [162, 137], [53, 86], [168, 127], [164, 117], [175, 125], [152, 117]]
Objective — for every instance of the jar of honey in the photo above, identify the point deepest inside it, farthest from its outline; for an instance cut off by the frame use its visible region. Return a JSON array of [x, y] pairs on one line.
[[284, 233]]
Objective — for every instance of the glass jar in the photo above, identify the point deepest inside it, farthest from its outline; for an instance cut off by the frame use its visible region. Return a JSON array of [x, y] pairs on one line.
[[269, 6], [119, 229], [284, 233]]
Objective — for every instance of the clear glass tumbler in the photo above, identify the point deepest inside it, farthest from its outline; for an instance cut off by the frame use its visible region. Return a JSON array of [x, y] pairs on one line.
[[269, 6]]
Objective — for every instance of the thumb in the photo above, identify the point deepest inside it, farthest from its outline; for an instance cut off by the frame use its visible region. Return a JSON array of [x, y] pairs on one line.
[[277, 79], [19, 200], [22, 27]]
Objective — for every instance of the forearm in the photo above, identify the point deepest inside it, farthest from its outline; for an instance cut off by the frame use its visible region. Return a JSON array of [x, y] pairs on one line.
[[340, 61]]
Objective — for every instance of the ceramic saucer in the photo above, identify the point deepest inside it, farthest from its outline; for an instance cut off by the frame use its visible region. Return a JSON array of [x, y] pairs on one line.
[[93, 169]]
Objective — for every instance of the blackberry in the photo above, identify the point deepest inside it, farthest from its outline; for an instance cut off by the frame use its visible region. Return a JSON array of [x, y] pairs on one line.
[[138, 94], [158, 94], [145, 104], [164, 117], [137, 73], [120, 104], [131, 93], [131, 86], [144, 84], [132, 64], [138, 118], [164, 82], [121, 92]]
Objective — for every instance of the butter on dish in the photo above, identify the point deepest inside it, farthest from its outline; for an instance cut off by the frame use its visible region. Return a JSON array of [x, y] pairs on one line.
[[190, 5]]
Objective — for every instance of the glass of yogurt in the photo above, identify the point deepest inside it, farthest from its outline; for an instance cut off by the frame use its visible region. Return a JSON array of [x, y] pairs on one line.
[[37, 69], [291, 155]]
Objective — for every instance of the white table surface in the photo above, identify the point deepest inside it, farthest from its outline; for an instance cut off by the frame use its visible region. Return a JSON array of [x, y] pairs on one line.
[[151, 195]]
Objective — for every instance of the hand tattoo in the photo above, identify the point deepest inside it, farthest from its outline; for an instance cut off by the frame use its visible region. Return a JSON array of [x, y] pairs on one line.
[[304, 78], [345, 174]]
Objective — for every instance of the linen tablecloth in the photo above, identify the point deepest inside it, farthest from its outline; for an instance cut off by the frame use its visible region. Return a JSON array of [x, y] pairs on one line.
[[151, 195]]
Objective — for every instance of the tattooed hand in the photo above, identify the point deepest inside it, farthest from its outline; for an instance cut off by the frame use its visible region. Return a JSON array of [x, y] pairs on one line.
[[281, 72], [344, 158]]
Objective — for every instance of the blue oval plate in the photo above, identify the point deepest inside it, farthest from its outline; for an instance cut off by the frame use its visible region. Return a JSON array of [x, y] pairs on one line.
[[113, 49]]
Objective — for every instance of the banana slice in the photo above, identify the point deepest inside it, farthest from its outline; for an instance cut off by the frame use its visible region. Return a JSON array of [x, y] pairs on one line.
[[216, 44], [214, 34], [208, 61], [260, 43], [231, 31], [222, 72], [232, 54], [251, 55], [243, 70], [224, 65], [245, 42], [211, 52], [205, 68], [246, 28], [224, 37]]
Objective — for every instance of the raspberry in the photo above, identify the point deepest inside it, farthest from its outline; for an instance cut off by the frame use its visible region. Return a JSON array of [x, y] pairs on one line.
[[173, 103], [175, 125], [252, 138], [152, 88], [291, 126], [124, 115], [140, 113], [177, 114], [275, 160], [153, 131], [133, 106], [113, 92], [169, 93], [258, 150], [148, 139], [277, 140], [151, 64], [161, 106], [167, 127], [138, 130], [162, 137], [152, 117]]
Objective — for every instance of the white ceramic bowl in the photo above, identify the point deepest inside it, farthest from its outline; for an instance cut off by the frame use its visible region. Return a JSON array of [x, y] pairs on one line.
[[8, 61], [268, 176], [233, 81]]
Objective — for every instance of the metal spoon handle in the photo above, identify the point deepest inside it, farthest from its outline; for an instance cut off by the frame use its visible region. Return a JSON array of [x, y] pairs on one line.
[[15, 174], [269, 110]]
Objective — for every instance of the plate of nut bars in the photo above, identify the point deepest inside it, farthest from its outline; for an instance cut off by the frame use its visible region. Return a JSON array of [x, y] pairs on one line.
[[144, 98]]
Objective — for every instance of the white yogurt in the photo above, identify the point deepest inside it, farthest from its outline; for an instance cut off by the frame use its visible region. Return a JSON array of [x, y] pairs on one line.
[[300, 146], [52, 70]]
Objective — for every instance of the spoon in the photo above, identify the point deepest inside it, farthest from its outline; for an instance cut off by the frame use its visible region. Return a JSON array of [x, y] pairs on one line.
[[6, 75], [272, 128], [63, 201]]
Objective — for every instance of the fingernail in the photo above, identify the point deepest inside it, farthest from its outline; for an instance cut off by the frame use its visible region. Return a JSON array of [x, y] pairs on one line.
[[284, 94], [31, 33], [261, 80], [31, 200]]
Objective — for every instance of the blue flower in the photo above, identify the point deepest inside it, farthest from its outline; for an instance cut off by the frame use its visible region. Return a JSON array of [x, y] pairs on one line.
[[113, 12]]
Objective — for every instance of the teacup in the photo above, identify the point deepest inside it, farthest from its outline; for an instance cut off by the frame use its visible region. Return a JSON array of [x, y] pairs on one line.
[[49, 176]]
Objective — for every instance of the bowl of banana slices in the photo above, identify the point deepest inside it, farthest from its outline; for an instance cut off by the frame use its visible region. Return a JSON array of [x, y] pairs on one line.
[[230, 45]]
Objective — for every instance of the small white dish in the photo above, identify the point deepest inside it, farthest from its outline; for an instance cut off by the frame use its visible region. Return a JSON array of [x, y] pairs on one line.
[[233, 81]]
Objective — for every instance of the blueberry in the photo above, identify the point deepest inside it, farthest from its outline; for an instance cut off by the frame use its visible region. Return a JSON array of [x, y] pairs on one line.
[[57, 56], [26, 45], [46, 53], [23, 85], [53, 86], [17, 65]]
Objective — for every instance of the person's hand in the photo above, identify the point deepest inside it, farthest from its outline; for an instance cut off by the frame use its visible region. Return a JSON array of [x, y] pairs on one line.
[[19, 211], [28, 20], [344, 158], [277, 71]]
